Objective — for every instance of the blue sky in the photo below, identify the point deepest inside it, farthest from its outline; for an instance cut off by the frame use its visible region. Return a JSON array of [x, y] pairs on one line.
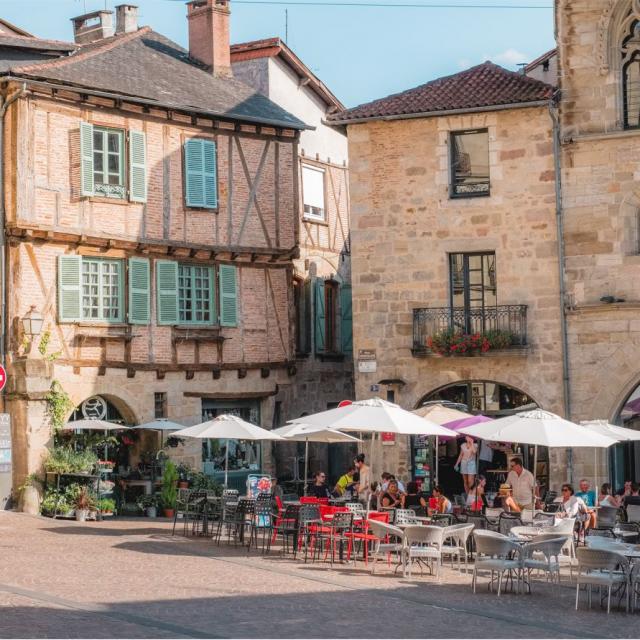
[[360, 53]]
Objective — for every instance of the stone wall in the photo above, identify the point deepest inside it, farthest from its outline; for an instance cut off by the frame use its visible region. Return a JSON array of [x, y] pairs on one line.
[[404, 225]]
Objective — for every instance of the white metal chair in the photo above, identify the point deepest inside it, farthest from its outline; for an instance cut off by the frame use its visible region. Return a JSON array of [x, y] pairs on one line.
[[493, 512], [455, 545], [390, 540], [356, 508], [405, 516], [422, 543], [542, 554], [495, 553], [601, 568]]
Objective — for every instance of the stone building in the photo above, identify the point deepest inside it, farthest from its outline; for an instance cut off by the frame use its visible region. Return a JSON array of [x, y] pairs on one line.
[[322, 283], [444, 179], [551, 231], [599, 80], [151, 205]]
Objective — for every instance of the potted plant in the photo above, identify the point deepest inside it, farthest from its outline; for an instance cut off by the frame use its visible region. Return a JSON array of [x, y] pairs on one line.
[[169, 492], [184, 473], [106, 506], [149, 505], [83, 503]]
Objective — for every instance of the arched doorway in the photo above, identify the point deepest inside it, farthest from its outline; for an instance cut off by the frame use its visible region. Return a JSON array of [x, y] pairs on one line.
[[624, 458], [486, 397]]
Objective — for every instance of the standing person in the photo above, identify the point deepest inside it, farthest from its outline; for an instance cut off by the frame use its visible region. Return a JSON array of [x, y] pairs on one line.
[[319, 488], [522, 483], [466, 462], [364, 478]]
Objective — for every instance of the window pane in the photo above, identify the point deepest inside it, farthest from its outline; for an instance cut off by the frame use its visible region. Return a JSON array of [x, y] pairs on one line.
[[632, 94], [97, 140], [313, 191], [470, 162], [114, 142], [114, 163]]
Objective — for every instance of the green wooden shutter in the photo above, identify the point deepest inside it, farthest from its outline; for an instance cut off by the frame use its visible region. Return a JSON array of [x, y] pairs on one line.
[[167, 291], [346, 319], [194, 174], [137, 166], [139, 291], [69, 288], [228, 295], [86, 159], [320, 316], [210, 175]]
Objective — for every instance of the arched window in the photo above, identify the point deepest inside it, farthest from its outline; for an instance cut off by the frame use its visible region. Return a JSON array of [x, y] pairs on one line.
[[631, 77]]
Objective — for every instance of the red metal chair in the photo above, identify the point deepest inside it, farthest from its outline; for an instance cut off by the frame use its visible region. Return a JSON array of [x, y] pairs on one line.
[[309, 500], [364, 536]]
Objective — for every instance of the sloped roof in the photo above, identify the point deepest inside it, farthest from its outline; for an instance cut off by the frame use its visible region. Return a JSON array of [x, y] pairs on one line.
[[30, 42], [541, 60], [148, 66], [275, 47], [485, 85]]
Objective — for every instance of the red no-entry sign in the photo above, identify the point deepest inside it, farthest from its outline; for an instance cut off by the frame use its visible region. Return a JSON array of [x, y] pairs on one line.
[[344, 403], [3, 377]]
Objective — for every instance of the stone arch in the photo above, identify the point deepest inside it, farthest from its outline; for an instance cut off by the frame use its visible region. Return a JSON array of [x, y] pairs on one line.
[[122, 402], [461, 382]]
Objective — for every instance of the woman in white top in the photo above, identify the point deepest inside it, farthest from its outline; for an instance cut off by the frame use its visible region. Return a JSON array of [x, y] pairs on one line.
[[606, 499], [466, 462], [572, 506]]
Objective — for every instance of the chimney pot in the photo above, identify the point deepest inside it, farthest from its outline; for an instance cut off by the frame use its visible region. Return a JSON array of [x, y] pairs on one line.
[[126, 18], [92, 26], [209, 34]]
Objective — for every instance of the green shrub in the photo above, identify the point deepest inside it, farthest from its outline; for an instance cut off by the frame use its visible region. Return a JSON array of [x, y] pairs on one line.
[[169, 492], [202, 482], [106, 505], [66, 460], [499, 338]]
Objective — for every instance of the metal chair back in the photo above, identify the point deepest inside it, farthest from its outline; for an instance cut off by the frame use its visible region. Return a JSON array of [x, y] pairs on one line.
[[429, 536], [495, 545], [633, 513], [382, 530], [600, 560], [507, 521], [405, 516], [607, 516]]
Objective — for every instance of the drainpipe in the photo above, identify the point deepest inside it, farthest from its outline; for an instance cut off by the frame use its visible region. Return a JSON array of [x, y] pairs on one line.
[[557, 160], [5, 103]]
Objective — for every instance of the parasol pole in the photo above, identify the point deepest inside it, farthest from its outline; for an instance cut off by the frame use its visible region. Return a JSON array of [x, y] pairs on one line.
[[535, 473], [437, 461], [306, 464], [226, 463]]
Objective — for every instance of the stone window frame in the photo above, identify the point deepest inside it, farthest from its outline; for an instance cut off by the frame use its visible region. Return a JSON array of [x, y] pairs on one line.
[[453, 192]]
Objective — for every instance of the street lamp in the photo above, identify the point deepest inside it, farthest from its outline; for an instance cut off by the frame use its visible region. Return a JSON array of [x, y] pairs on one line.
[[32, 322]]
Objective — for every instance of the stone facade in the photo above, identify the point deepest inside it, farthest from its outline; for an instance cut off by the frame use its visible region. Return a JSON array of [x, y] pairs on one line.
[[404, 225], [254, 228]]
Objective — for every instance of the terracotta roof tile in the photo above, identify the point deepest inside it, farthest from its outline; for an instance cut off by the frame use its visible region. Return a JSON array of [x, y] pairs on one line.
[[484, 85]]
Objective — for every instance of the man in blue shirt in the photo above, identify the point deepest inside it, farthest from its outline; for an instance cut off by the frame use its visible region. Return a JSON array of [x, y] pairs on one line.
[[589, 497]]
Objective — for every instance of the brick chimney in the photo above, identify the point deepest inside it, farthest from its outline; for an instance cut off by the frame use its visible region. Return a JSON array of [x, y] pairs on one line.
[[209, 34], [92, 26], [126, 18]]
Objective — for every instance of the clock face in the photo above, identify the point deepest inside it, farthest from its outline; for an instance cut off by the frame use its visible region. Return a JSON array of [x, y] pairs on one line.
[[94, 408]]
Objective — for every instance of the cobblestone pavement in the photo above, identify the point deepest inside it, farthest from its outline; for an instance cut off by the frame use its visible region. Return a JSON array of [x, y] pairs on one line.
[[132, 579]]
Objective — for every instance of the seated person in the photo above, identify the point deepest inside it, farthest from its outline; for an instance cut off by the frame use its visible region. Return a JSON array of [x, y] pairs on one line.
[[443, 504], [345, 481], [633, 497], [573, 507], [415, 499], [276, 489], [387, 477], [475, 498], [319, 489], [392, 497], [589, 498], [606, 498], [504, 500]]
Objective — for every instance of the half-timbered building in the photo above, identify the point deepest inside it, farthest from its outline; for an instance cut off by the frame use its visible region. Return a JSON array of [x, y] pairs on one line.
[[151, 212]]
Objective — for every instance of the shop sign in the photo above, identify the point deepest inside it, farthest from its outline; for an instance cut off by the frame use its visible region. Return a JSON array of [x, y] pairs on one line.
[[5, 443], [367, 361], [258, 483], [388, 438]]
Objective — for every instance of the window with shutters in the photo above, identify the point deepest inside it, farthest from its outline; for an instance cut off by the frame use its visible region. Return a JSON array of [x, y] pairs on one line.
[[102, 290], [200, 174], [302, 305], [331, 316], [195, 294], [470, 163], [109, 163], [313, 192]]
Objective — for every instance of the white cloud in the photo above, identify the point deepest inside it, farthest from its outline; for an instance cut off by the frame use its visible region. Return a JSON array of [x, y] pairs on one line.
[[464, 63], [509, 57]]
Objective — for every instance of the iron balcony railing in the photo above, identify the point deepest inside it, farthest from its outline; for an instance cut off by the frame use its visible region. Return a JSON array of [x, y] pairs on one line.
[[505, 326]]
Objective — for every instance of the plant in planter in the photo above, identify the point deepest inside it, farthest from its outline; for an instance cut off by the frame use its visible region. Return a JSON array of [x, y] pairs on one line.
[[169, 494], [149, 504], [83, 503], [499, 338], [450, 342], [202, 482], [54, 502], [65, 460], [106, 506], [185, 474]]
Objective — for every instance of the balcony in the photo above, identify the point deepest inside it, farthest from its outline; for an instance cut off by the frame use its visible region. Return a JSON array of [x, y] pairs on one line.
[[489, 331]]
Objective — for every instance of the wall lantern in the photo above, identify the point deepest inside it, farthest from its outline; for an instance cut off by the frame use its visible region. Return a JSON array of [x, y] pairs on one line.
[[32, 322]]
